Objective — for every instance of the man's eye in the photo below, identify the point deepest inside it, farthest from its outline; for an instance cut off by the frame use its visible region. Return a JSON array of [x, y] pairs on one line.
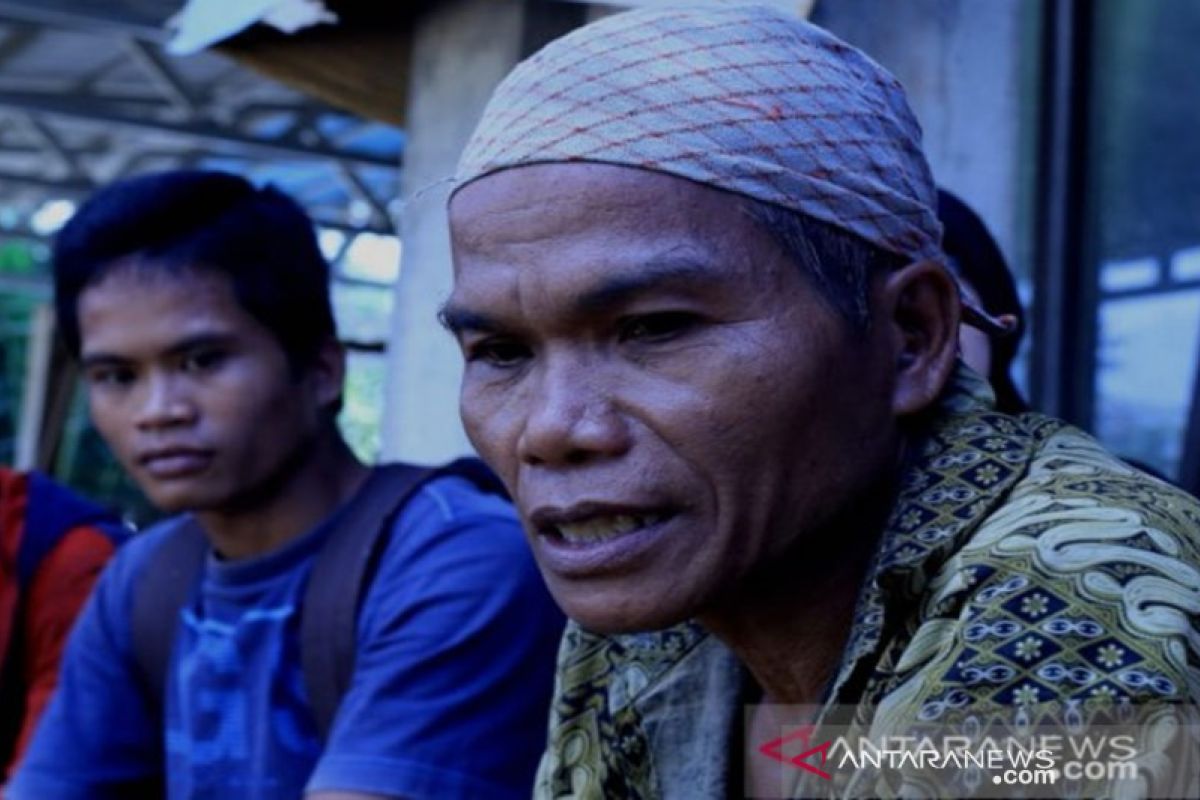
[[659, 327], [498, 352], [202, 360], [110, 377]]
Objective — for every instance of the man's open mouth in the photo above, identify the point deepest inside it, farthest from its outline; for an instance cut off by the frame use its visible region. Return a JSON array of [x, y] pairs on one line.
[[601, 528]]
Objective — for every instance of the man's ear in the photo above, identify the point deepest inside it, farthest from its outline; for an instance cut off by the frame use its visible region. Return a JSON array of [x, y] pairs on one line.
[[327, 373], [920, 303]]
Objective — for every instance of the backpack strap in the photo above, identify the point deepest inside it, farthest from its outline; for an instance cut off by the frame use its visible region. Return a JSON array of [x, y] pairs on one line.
[[328, 624], [344, 568], [165, 586]]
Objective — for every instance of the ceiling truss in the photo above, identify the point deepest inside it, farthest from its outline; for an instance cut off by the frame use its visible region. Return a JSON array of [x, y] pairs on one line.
[[88, 96]]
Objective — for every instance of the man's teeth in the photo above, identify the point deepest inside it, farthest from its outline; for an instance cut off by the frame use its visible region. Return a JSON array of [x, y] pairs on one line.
[[597, 529]]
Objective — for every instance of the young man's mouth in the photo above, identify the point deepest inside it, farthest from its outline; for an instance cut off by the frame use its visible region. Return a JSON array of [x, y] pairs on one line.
[[175, 462]]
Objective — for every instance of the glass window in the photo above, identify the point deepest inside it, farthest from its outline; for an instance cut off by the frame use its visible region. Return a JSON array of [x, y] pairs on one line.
[[1144, 235]]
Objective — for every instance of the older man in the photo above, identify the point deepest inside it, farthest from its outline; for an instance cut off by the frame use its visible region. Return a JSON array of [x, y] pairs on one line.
[[711, 350]]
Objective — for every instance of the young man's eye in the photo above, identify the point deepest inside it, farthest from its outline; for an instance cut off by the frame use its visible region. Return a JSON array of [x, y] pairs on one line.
[[110, 377], [202, 360], [658, 327], [498, 352]]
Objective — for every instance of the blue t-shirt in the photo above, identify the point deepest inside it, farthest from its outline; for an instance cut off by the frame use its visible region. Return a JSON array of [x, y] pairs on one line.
[[449, 698]]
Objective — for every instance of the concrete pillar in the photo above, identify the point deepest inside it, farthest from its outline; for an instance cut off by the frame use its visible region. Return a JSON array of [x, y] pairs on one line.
[[461, 50]]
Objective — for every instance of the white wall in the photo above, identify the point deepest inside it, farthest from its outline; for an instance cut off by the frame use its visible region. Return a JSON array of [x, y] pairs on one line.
[[461, 51]]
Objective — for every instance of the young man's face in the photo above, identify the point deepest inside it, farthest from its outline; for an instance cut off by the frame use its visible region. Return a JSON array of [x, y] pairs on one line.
[[668, 399], [194, 395]]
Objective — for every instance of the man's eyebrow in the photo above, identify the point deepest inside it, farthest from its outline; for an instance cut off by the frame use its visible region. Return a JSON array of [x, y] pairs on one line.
[[93, 360], [662, 273], [458, 319], [200, 340]]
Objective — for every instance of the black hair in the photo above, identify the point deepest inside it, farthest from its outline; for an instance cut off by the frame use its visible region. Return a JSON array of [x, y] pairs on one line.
[[840, 264], [976, 259], [197, 220]]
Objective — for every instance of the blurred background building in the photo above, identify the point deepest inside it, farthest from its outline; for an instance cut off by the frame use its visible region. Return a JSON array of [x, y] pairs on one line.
[[1069, 125]]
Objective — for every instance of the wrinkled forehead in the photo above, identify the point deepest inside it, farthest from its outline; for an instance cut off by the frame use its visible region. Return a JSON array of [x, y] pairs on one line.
[[542, 212], [527, 199], [590, 237]]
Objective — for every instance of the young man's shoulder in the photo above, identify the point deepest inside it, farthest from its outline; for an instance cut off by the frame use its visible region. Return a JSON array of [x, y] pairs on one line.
[[451, 497], [124, 571], [142, 546], [456, 617], [451, 517]]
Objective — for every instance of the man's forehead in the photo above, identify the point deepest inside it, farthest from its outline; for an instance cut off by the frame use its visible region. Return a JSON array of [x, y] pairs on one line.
[[601, 213], [137, 270], [586, 272], [136, 307]]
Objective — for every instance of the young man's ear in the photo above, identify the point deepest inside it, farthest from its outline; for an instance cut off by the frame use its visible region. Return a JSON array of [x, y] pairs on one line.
[[922, 307], [327, 373]]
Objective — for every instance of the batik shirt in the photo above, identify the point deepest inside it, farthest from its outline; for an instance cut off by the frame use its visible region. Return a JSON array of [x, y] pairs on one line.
[[1024, 572]]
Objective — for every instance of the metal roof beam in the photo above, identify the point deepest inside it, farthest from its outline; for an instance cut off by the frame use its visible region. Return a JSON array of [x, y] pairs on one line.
[[157, 69], [93, 18], [357, 187], [46, 134], [214, 135], [18, 37], [77, 189], [67, 186]]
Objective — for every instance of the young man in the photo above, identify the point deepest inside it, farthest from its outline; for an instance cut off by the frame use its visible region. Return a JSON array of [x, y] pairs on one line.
[[200, 308], [53, 545], [711, 350]]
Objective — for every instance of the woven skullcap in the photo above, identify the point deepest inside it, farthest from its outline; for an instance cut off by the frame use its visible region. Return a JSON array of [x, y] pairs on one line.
[[746, 99]]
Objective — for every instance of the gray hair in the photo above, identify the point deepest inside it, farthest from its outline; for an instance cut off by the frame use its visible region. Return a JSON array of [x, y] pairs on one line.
[[839, 264]]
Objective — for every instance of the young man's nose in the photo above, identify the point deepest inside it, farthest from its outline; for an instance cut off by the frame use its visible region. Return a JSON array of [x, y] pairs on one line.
[[572, 417], [164, 403]]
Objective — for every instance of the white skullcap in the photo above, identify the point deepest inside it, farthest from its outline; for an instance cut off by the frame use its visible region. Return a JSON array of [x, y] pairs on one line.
[[745, 99]]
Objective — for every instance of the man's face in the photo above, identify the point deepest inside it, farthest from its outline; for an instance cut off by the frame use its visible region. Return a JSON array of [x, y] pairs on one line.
[[194, 396], [668, 399]]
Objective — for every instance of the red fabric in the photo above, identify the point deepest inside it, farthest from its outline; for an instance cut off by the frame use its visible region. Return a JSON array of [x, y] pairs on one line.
[[56, 596], [13, 496]]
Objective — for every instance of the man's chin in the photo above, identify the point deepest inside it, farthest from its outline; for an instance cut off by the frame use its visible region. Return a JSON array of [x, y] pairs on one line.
[[176, 500], [608, 621]]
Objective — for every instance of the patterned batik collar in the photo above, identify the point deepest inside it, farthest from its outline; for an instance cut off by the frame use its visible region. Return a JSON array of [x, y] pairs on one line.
[[957, 472]]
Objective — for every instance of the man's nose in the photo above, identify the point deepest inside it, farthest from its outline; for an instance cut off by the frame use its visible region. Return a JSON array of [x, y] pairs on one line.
[[572, 416], [164, 403]]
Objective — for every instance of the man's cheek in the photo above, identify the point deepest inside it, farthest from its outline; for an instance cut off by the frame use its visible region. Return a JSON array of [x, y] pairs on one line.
[[102, 421], [489, 424]]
